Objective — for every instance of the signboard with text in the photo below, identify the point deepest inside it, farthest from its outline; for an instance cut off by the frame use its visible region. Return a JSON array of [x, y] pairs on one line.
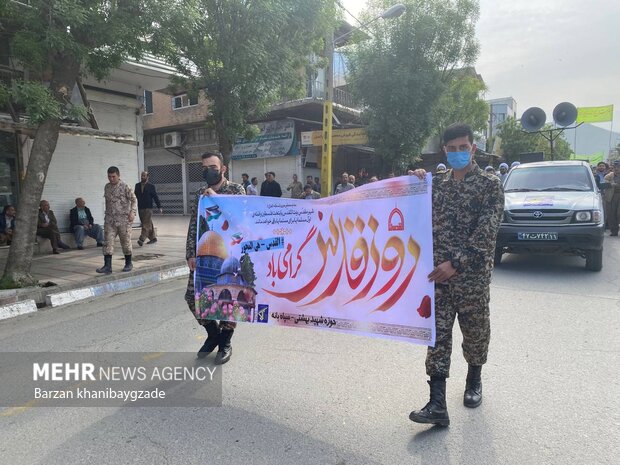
[[276, 139], [355, 136], [356, 262]]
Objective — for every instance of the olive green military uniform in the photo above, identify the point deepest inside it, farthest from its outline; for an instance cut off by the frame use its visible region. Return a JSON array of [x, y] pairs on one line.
[[466, 218], [229, 188], [120, 201]]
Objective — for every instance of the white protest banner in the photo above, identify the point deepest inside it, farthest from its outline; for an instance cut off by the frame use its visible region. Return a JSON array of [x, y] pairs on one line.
[[356, 262]]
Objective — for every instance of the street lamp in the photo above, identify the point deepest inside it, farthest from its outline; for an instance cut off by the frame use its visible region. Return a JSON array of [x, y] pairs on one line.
[[326, 159]]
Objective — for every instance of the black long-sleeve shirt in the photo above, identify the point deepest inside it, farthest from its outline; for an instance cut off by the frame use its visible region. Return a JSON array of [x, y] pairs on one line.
[[270, 189]]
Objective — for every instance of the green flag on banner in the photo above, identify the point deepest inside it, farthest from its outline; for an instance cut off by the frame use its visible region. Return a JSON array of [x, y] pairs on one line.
[[592, 159], [595, 114]]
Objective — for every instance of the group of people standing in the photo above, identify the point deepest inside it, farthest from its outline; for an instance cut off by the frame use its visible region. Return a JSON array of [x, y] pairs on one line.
[[467, 209], [121, 205], [271, 188]]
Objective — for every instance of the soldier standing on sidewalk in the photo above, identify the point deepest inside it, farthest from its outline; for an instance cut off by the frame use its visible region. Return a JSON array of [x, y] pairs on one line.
[[120, 211], [146, 195], [213, 170], [468, 204]]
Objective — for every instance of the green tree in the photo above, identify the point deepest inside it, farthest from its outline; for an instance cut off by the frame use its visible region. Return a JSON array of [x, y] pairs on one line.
[[54, 42], [401, 72], [515, 141], [461, 101], [243, 54]]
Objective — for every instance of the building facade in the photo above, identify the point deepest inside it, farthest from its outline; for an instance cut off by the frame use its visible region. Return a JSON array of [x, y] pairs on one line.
[[500, 109], [81, 159]]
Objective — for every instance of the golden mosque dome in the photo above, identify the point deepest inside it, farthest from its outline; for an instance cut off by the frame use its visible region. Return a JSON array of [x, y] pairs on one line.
[[211, 244]]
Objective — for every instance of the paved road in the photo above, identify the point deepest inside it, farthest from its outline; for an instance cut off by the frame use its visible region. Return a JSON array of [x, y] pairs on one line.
[[293, 396]]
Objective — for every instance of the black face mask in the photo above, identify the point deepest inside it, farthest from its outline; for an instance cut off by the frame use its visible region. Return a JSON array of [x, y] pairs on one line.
[[212, 176]]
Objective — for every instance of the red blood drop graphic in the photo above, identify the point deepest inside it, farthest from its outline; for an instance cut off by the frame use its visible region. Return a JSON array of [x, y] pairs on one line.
[[225, 225], [425, 307], [320, 215]]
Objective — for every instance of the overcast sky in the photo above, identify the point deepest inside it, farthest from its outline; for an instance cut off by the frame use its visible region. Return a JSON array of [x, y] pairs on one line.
[[548, 51]]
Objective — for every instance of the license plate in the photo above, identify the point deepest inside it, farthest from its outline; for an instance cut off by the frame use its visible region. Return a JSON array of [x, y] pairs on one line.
[[541, 236]]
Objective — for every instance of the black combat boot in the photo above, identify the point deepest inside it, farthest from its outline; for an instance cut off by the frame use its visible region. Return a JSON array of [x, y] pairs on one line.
[[213, 339], [473, 387], [225, 350], [107, 265], [128, 265], [435, 412]]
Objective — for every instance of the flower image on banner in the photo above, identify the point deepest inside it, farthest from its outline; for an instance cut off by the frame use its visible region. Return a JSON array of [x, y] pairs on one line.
[[355, 262]]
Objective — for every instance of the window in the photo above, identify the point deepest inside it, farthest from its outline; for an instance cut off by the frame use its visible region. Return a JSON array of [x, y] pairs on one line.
[[148, 102], [183, 101]]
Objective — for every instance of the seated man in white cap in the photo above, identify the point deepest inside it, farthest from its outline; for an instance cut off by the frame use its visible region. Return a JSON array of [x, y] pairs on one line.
[[441, 168]]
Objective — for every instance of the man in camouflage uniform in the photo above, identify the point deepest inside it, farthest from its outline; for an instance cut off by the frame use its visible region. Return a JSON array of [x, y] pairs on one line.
[[468, 205], [120, 210], [218, 335]]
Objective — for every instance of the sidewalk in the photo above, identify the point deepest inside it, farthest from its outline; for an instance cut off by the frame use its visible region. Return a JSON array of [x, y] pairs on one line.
[[75, 269]]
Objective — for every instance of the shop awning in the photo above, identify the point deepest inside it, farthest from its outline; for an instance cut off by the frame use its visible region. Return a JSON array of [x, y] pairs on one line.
[[8, 125]]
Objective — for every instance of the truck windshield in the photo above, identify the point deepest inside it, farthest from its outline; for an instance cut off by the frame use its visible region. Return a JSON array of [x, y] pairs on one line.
[[549, 178]]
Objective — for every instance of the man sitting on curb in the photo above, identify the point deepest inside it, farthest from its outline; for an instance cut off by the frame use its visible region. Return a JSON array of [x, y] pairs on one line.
[[7, 225], [47, 227], [83, 224]]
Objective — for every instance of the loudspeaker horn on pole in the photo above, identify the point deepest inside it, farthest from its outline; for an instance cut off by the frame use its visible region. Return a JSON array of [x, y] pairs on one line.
[[564, 114], [533, 119]]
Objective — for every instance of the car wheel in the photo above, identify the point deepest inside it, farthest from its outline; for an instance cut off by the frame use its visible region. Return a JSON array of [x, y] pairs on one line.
[[497, 258], [594, 260]]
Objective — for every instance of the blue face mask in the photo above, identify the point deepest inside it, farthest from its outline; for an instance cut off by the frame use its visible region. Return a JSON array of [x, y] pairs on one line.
[[458, 160]]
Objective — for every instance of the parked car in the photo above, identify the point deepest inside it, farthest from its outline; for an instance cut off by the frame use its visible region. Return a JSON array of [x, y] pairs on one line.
[[553, 207]]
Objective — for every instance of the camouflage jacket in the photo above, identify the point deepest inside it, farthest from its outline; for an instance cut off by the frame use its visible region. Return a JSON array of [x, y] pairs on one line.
[[229, 188], [119, 202], [466, 218]]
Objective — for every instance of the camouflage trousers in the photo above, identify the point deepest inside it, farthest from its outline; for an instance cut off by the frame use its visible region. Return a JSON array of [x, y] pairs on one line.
[[110, 231], [191, 303], [470, 301]]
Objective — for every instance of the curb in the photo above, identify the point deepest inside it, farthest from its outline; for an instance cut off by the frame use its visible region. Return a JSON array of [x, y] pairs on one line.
[[16, 302], [38, 293], [121, 285], [17, 309]]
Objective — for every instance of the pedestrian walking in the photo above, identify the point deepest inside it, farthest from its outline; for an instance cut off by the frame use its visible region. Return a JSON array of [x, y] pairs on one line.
[[146, 196], [468, 204], [344, 184], [252, 190], [245, 181], [612, 198], [295, 187], [120, 211], [270, 187], [218, 334]]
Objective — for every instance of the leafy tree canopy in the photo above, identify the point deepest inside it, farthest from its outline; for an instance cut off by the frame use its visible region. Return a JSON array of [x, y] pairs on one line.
[[243, 54], [53, 37], [400, 73]]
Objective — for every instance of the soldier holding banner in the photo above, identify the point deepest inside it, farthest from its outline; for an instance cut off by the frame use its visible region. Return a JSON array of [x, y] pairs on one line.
[[468, 205], [218, 335]]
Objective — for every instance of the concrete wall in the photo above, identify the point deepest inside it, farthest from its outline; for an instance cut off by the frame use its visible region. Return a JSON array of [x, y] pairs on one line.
[[79, 165]]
